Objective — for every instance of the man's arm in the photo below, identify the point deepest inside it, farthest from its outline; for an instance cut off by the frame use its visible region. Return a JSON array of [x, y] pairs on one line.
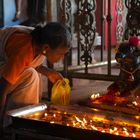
[[52, 75]]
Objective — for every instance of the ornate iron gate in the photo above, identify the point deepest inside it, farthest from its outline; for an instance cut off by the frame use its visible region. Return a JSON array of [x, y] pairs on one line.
[[79, 16], [85, 29]]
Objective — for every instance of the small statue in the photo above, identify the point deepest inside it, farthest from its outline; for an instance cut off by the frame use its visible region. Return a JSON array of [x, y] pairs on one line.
[[125, 92], [128, 57]]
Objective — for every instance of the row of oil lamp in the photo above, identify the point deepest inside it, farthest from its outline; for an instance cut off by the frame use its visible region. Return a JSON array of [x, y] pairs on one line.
[[89, 122], [134, 99]]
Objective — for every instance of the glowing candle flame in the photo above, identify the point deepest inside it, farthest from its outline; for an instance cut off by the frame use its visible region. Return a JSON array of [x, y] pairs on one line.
[[93, 96], [135, 103], [115, 128], [133, 135], [93, 127], [78, 119], [84, 120], [103, 131], [45, 114], [111, 131], [126, 133], [91, 122]]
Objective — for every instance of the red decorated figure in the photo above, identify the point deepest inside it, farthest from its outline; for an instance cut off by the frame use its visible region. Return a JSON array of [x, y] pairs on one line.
[[128, 57]]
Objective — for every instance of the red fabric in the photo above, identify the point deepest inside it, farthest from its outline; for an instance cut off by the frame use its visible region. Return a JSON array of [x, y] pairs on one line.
[[20, 55], [113, 22]]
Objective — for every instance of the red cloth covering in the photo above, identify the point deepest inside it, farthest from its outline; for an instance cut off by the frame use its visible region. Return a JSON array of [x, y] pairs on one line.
[[20, 54]]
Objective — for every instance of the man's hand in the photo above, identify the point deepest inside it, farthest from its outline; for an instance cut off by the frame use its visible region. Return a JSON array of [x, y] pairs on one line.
[[52, 75]]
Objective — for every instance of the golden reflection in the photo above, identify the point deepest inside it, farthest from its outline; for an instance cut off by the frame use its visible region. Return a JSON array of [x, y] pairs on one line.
[[89, 121]]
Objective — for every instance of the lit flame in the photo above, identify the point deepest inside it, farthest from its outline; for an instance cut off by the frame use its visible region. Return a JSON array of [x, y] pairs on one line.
[[133, 135], [115, 128], [117, 133], [45, 114], [93, 127], [93, 96], [135, 103], [91, 122], [78, 119]]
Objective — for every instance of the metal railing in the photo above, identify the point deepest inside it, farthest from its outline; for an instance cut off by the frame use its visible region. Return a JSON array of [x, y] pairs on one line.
[[80, 16]]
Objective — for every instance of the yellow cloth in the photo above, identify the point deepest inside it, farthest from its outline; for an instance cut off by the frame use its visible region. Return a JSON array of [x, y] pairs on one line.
[[61, 92]]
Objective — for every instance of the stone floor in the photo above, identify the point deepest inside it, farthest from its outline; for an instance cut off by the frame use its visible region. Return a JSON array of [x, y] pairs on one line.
[[86, 89]]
